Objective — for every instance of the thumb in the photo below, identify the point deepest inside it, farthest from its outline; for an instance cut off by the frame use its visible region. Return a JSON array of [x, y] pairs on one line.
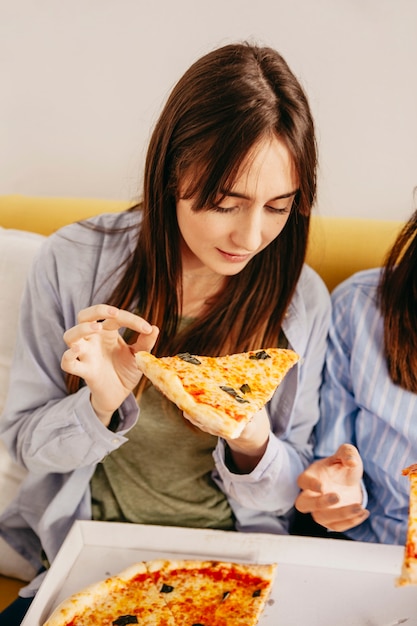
[[146, 342], [349, 455]]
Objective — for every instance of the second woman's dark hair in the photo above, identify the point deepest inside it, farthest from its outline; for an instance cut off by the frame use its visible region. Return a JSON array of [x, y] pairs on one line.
[[398, 302]]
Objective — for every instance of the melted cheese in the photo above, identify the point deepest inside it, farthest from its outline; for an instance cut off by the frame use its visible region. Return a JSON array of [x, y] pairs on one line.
[[251, 381], [219, 394]]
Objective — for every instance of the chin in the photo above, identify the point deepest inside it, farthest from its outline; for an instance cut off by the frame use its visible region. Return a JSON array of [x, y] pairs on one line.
[[232, 271]]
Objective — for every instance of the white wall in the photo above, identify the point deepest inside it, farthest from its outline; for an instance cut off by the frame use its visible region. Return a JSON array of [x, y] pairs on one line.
[[82, 82]]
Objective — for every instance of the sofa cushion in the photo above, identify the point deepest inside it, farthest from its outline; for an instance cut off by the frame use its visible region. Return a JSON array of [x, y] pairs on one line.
[[17, 249]]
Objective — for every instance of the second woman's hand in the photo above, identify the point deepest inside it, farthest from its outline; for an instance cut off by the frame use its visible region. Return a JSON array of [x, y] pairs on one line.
[[331, 490]]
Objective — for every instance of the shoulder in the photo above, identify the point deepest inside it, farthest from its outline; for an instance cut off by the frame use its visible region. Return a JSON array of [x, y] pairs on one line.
[[359, 288], [311, 293], [99, 227], [355, 306], [83, 261], [309, 312], [108, 233]]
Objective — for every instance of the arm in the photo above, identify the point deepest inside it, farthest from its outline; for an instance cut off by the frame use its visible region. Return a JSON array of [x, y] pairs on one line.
[[45, 429], [332, 489], [271, 485]]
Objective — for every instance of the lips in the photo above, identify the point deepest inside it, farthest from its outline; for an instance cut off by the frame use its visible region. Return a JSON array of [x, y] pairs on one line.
[[233, 257]]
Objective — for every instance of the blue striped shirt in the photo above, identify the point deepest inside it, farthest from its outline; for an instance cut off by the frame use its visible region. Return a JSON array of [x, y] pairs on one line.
[[361, 405]]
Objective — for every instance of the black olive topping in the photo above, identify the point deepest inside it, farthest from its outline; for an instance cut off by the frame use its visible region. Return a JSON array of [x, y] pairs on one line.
[[245, 388], [261, 355], [226, 594], [186, 356], [228, 390], [166, 588], [241, 400], [256, 593], [234, 393], [197, 624], [123, 620]]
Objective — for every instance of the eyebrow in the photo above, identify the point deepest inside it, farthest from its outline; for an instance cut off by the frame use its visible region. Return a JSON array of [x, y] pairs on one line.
[[235, 194]]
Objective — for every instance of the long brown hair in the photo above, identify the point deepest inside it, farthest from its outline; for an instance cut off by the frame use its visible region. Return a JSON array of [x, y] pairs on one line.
[[397, 294], [224, 104]]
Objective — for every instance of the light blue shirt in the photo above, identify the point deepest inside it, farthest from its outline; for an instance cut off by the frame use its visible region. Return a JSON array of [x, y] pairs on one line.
[[58, 438], [361, 405]]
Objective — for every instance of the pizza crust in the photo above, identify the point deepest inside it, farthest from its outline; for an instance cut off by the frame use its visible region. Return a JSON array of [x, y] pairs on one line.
[[408, 574], [106, 597], [169, 383], [409, 565]]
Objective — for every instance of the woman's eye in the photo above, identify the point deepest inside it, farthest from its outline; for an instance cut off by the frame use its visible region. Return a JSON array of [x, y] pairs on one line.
[[223, 209], [279, 210]]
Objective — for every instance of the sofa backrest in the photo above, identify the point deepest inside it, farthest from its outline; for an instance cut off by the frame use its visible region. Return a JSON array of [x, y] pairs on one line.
[[17, 249], [338, 247]]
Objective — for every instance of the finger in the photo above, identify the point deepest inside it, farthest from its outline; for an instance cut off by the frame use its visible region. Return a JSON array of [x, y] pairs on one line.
[[341, 519], [97, 312], [309, 481], [146, 341], [309, 501], [349, 455], [70, 362], [114, 318], [131, 321], [81, 331]]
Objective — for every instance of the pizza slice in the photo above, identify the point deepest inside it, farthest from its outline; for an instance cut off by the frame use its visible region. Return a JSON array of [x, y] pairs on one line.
[[128, 598], [409, 565], [219, 394], [213, 593]]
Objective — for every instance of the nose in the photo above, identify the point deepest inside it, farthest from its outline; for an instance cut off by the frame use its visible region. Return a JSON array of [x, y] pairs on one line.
[[247, 234]]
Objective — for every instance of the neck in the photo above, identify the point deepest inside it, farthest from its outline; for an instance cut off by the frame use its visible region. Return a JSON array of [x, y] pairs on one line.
[[198, 288]]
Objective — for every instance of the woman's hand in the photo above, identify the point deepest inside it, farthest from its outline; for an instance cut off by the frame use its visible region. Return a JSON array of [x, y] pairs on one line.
[[99, 354], [331, 490], [247, 450]]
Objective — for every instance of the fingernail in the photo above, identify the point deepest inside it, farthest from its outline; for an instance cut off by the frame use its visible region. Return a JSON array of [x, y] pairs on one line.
[[333, 498], [146, 328]]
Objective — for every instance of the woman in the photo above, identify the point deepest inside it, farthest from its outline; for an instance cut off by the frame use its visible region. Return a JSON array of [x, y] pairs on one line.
[[211, 262], [369, 403]]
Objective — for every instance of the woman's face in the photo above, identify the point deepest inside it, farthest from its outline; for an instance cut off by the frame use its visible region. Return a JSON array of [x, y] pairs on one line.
[[252, 213]]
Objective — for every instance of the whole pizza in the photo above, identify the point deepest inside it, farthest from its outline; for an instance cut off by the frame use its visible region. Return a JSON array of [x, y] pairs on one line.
[[172, 593]]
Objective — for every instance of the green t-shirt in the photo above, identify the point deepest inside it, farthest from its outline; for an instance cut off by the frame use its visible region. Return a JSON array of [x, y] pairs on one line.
[[162, 475]]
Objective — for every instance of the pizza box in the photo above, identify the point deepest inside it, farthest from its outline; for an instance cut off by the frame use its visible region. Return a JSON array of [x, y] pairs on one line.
[[319, 582]]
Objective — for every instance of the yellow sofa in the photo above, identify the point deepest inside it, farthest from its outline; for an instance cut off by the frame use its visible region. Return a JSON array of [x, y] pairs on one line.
[[338, 247]]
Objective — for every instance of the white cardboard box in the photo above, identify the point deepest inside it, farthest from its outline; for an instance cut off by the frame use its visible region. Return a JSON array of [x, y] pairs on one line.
[[319, 582]]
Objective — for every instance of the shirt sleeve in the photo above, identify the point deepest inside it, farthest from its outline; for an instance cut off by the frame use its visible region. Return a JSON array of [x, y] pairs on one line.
[[44, 428], [338, 407]]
